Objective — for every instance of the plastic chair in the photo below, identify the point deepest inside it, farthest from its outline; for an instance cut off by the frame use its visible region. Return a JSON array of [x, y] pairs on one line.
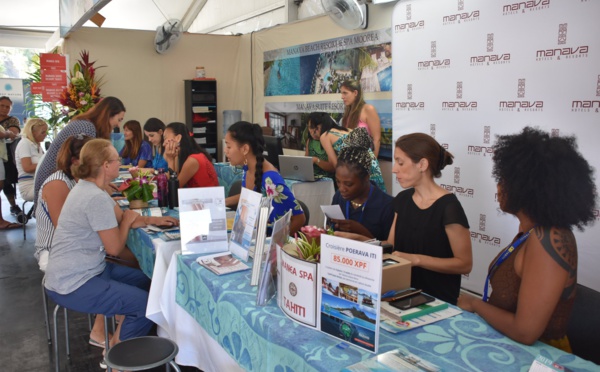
[[305, 210], [142, 353]]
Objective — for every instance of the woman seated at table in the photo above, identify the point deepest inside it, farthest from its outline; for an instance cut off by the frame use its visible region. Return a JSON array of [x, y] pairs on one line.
[[321, 165], [430, 228], [192, 163], [137, 152], [244, 145], [546, 183], [334, 138], [367, 209], [28, 153], [53, 194], [154, 129], [90, 226]]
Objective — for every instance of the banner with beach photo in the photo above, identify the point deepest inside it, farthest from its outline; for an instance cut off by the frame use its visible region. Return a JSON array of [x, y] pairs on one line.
[[321, 67]]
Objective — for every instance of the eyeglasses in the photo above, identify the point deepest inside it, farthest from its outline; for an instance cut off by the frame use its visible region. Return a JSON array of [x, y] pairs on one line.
[[111, 160]]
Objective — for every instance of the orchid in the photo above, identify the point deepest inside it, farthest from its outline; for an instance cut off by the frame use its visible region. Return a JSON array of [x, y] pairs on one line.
[[307, 245], [138, 188]]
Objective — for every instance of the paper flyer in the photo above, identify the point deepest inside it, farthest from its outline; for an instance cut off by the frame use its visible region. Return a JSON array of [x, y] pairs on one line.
[[350, 277], [203, 220], [298, 289], [244, 223]]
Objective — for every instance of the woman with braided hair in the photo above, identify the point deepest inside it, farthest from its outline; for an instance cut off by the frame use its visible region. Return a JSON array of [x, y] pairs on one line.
[[244, 145], [430, 228], [368, 210], [334, 138]]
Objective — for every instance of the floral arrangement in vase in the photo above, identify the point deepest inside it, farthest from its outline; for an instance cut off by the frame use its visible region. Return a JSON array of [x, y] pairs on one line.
[[307, 245], [138, 190], [83, 91]]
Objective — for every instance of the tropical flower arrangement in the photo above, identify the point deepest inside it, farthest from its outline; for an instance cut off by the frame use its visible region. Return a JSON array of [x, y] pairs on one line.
[[139, 187], [307, 244], [83, 91]]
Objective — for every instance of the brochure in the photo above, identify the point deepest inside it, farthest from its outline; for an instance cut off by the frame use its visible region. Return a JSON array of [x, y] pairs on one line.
[[244, 223], [261, 236], [267, 265], [394, 324], [543, 364], [222, 263], [395, 360], [203, 220], [350, 277]]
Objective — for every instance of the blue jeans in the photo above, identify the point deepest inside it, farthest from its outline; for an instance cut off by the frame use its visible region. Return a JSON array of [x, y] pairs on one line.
[[117, 290]]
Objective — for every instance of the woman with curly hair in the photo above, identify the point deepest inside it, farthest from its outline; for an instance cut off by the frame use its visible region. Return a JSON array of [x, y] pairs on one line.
[[546, 183], [359, 114], [136, 152], [334, 138], [430, 228], [367, 209], [244, 145]]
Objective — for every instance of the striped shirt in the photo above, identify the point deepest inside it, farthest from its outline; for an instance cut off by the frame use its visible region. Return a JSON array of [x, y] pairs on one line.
[[45, 227], [48, 165]]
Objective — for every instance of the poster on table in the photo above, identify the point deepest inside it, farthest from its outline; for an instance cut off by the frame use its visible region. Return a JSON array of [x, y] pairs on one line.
[[296, 120], [244, 223], [203, 220], [350, 277], [466, 71], [268, 264], [321, 67]]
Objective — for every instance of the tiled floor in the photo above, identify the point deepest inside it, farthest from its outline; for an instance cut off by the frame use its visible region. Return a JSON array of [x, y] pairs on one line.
[[23, 342]]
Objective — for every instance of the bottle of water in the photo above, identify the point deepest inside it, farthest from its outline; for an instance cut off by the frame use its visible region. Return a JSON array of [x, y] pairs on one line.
[[173, 194], [163, 188]]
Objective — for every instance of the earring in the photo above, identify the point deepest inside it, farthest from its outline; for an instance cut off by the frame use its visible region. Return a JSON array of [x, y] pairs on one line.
[[245, 161]]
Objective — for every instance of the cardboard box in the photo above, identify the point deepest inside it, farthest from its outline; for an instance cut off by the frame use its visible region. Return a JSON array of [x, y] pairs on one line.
[[395, 276]]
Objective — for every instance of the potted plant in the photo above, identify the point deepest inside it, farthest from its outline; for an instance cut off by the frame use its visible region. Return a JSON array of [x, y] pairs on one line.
[[138, 190], [307, 245]]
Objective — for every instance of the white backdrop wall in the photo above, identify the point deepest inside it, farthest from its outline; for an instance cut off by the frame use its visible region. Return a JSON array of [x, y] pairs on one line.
[[467, 70]]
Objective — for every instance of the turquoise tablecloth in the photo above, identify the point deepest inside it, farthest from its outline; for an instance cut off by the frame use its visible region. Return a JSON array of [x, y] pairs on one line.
[[264, 339]]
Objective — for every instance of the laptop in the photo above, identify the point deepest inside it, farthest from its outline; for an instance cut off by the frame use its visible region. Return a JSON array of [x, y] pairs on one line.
[[296, 167]]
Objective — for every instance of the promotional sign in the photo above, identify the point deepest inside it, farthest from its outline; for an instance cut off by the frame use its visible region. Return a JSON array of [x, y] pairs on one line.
[[53, 69], [465, 71], [203, 220], [298, 288], [13, 89], [244, 223], [350, 277]]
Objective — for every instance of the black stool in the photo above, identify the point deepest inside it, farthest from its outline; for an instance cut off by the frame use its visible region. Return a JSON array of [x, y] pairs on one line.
[[142, 353]]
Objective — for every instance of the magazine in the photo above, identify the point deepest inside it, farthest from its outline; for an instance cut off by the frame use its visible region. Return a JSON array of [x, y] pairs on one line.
[[395, 360], [222, 264]]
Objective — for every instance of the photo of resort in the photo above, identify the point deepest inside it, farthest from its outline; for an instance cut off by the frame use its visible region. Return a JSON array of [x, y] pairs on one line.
[[348, 313]]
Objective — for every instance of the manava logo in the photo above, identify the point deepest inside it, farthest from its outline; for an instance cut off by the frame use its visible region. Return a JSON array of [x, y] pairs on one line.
[[493, 58], [433, 62], [409, 105], [459, 105], [564, 52], [523, 6], [460, 17], [521, 105], [459, 190], [589, 105], [486, 239], [409, 26]]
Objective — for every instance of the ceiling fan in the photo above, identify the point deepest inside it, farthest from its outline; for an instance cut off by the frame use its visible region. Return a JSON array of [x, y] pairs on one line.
[[349, 14]]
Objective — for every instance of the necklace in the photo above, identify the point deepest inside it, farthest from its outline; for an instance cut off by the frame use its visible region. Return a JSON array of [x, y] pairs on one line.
[[355, 204]]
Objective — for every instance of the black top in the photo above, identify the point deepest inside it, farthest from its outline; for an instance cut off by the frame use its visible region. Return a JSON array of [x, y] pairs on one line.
[[422, 231], [378, 214]]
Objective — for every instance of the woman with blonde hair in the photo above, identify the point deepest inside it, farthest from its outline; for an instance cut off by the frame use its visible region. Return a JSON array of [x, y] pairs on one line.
[[90, 226], [98, 122], [28, 153], [136, 152], [359, 114]]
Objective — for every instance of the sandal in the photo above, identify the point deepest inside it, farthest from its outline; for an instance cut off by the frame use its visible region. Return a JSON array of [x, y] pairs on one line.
[[11, 225], [97, 343]]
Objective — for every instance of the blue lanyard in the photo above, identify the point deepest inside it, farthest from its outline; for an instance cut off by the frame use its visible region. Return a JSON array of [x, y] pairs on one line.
[[505, 254], [364, 206]]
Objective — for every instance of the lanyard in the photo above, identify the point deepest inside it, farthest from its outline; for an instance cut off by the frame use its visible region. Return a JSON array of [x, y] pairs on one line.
[[505, 254], [364, 206]]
